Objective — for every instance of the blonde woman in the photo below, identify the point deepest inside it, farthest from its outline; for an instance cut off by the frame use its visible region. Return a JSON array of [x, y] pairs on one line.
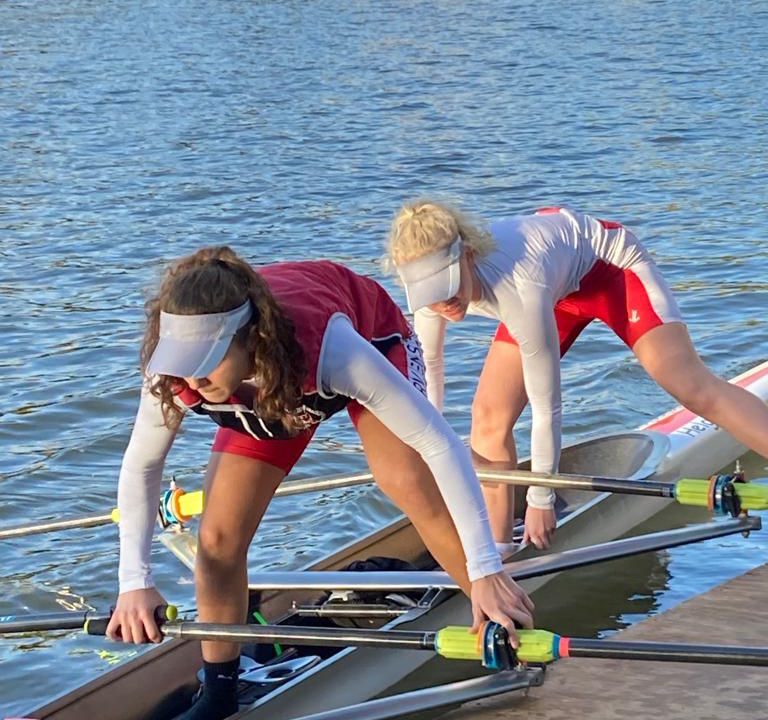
[[267, 354], [545, 277]]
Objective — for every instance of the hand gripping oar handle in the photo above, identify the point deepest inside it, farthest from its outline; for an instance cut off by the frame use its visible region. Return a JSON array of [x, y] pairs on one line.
[[97, 625], [490, 646], [92, 622]]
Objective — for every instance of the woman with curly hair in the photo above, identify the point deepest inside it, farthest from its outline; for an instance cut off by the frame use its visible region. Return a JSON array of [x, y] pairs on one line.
[[546, 276], [267, 354]]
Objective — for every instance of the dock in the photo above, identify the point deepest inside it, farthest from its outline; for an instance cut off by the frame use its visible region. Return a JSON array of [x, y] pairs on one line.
[[735, 613]]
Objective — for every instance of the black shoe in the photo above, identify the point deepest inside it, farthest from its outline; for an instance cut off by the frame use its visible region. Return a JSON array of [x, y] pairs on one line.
[[217, 697], [204, 708]]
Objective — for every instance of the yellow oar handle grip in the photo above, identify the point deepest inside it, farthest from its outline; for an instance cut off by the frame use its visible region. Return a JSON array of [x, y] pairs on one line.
[[191, 503], [457, 643], [540, 646], [178, 506], [702, 493], [536, 646]]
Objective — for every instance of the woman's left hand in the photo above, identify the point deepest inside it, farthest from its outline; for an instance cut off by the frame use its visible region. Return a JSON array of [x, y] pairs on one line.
[[540, 526], [500, 599]]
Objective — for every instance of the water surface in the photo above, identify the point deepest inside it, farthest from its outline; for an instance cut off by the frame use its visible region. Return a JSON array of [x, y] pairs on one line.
[[132, 133]]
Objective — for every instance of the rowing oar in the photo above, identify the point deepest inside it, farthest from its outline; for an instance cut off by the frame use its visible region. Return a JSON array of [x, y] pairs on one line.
[[178, 507], [91, 622], [490, 646], [725, 494], [722, 494]]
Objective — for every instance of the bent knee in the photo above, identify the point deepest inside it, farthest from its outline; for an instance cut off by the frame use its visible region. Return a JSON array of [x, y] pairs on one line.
[[216, 543], [491, 422], [403, 483], [413, 492]]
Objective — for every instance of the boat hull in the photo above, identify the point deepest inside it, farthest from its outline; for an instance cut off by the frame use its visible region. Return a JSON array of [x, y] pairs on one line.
[[674, 445]]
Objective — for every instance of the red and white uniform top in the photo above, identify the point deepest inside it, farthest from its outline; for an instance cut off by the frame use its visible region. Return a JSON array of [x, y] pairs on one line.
[[540, 259], [343, 322], [312, 294]]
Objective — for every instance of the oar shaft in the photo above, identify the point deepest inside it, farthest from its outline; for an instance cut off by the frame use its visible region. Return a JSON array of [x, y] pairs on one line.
[[668, 652], [687, 491], [296, 487], [539, 646], [189, 504], [649, 488], [43, 621], [35, 528], [751, 496], [181, 506], [332, 637]]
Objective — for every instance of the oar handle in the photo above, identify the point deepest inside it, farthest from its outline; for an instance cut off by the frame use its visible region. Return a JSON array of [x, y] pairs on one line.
[[176, 507], [92, 622], [723, 494], [97, 625], [490, 645]]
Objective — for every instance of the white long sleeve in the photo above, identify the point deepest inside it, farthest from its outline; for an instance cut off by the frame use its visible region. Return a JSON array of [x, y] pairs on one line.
[[138, 492], [540, 356], [541, 375], [430, 328], [351, 366]]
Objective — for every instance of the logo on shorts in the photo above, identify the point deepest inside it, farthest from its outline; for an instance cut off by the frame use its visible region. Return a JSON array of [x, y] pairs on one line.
[[634, 316]]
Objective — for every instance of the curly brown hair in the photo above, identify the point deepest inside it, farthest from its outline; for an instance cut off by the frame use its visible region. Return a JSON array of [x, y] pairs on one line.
[[216, 279]]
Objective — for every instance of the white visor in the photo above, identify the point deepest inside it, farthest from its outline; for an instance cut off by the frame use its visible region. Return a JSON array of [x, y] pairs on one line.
[[432, 278], [192, 346]]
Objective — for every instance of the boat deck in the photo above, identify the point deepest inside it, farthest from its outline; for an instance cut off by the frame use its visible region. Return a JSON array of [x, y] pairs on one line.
[[732, 613]]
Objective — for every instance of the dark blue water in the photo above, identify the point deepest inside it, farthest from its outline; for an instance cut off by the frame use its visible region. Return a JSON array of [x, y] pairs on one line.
[[132, 133]]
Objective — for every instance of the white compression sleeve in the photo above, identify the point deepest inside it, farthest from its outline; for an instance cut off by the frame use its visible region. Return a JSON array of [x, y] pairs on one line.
[[138, 492], [351, 366], [540, 354], [430, 328]]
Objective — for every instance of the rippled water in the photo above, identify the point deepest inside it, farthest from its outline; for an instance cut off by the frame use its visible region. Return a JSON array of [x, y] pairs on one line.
[[136, 132]]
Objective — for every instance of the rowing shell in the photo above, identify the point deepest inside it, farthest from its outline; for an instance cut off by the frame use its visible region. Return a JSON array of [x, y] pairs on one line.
[[674, 445]]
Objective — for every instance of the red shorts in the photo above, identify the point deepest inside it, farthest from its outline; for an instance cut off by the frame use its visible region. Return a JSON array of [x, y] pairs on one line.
[[630, 301], [405, 355]]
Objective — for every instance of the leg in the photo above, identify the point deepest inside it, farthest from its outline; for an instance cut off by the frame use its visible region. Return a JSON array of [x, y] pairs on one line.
[[238, 491], [668, 356], [406, 480], [498, 402], [242, 477]]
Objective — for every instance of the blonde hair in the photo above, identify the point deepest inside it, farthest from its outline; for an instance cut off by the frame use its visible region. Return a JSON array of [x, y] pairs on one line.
[[423, 226]]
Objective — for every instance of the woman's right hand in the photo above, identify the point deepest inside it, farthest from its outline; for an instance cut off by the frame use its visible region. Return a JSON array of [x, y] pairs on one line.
[[133, 620], [499, 598]]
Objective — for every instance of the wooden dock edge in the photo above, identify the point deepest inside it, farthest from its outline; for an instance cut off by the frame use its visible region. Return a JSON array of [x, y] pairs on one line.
[[735, 612]]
